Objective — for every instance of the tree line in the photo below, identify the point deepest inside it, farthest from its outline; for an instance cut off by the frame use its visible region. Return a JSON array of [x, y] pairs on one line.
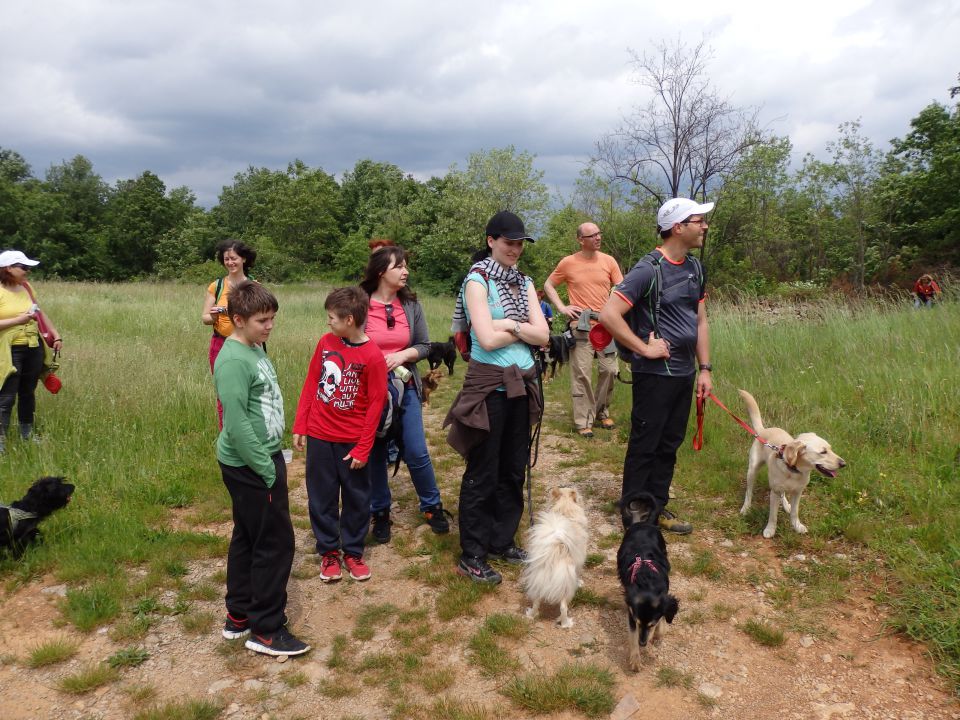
[[858, 217]]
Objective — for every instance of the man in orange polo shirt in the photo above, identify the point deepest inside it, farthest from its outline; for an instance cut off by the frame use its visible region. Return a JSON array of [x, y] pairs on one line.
[[589, 275]]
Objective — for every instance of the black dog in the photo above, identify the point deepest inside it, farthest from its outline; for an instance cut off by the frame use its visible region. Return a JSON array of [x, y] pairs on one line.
[[442, 353], [558, 351], [644, 572], [19, 522]]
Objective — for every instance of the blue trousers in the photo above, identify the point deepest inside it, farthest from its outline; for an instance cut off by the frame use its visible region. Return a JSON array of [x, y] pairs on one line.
[[330, 480], [415, 456]]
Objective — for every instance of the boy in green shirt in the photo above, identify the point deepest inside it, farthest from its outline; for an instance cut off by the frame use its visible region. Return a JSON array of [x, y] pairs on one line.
[[248, 451]]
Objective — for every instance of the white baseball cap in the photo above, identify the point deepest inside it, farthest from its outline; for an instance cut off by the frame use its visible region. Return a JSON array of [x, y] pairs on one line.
[[15, 257], [678, 210]]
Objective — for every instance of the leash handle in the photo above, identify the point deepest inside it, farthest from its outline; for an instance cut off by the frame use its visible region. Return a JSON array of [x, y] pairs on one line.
[[698, 436]]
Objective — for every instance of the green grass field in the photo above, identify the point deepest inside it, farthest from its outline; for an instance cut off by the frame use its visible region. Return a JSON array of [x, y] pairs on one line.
[[135, 424]]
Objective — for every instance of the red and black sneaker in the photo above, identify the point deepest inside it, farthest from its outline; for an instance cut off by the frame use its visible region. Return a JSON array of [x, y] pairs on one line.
[[235, 628], [281, 642], [436, 517]]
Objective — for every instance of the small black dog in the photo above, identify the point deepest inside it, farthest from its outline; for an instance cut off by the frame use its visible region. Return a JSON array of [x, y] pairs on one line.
[[558, 353], [19, 522], [442, 353], [644, 572]]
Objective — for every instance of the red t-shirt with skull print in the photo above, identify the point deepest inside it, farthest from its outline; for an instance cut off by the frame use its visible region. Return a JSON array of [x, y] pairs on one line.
[[343, 395]]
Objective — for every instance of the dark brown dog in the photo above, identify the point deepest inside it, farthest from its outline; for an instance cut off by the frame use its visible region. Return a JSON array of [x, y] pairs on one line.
[[430, 382]]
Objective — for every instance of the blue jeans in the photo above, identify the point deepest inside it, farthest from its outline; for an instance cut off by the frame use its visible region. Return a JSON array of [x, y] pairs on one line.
[[415, 456]]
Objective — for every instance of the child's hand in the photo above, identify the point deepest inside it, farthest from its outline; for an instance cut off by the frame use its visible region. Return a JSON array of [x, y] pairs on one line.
[[299, 442], [354, 463]]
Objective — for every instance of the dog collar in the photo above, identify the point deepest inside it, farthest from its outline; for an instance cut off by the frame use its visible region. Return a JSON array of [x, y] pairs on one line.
[[791, 468], [638, 563]]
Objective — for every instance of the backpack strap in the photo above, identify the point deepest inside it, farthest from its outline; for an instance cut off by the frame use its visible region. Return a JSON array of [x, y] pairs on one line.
[[653, 257]]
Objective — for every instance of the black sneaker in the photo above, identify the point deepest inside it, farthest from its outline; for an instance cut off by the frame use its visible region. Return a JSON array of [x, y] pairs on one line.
[[478, 570], [235, 628], [437, 518], [513, 555], [277, 643], [381, 526]]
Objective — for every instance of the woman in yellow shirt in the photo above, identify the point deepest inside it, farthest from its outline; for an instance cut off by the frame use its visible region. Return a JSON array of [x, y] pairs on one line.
[[237, 258], [18, 318]]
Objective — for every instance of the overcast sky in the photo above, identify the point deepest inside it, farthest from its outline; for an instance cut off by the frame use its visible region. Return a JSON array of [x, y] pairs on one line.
[[197, 91]]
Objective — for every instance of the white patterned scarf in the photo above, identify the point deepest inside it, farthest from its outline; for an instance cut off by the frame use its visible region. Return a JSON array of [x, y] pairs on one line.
[[511, 287]]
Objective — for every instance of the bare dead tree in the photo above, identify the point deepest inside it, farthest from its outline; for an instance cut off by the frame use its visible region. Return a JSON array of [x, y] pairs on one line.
[[687, 136]]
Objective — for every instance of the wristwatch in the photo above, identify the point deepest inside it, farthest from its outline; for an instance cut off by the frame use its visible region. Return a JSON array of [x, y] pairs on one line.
[[706, 366], [516, 328]]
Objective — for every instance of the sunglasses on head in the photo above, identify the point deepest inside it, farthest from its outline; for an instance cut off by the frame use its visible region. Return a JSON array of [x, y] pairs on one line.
[[391, 320]]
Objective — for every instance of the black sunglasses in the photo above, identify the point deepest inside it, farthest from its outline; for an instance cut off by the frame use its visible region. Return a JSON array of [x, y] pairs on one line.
[[21, 266], [391, 320]]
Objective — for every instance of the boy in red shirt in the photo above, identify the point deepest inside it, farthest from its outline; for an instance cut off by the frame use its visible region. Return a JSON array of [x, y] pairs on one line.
[[337, 418]]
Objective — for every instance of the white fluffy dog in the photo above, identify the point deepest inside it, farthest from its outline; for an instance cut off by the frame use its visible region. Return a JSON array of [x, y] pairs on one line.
[[556, 552]]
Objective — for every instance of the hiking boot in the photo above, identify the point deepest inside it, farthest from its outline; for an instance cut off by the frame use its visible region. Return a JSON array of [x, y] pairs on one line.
[[356, 567], [381, 526], [235, 628], [281, 642], [512, 554], [608, 424], [437, 518], [330, 566], [478, 570], [671, 523]]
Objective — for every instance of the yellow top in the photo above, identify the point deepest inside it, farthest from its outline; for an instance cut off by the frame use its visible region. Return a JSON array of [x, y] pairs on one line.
[[12, 304], [223, 325]]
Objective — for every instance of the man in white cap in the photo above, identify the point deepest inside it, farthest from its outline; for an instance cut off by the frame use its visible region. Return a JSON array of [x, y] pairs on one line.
[[657, 314]]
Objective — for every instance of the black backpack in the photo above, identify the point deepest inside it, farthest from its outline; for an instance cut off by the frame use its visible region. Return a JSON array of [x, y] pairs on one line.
[[654, 257]]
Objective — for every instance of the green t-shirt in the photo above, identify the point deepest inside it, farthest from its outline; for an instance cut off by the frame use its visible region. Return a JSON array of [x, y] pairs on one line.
[[252, 409]]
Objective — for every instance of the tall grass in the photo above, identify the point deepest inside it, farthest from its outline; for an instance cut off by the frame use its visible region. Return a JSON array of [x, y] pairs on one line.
[[135, 424]]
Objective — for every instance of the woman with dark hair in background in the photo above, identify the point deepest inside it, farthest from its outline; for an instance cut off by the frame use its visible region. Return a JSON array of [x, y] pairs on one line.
[[21, 334], [237, 258], [396, 323], [500, 401]]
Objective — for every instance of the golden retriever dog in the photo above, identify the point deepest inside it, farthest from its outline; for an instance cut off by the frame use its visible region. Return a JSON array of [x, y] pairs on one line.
[[788, 470], [556, 552], [430, 381]]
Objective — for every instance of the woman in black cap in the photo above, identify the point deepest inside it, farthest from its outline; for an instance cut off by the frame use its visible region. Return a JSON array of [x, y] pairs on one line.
[[500, 400]]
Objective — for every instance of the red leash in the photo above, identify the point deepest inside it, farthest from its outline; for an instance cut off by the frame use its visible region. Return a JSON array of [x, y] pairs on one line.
[[701, 411]]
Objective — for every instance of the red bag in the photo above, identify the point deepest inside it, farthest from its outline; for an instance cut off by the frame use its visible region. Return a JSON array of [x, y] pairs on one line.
[[43, 324], [52, 383]]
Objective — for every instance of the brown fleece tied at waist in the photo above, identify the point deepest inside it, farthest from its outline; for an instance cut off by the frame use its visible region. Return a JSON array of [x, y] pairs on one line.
[[467, 417]]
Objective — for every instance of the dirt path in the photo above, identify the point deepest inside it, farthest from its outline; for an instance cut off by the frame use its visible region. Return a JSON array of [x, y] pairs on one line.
[[849, 666]]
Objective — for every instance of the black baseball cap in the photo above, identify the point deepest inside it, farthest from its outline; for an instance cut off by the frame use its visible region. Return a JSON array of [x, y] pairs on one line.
[[506, 224]]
